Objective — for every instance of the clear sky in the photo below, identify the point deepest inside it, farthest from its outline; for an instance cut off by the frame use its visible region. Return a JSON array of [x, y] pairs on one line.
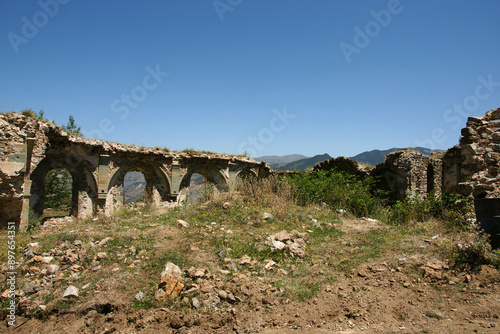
[[266, 77]]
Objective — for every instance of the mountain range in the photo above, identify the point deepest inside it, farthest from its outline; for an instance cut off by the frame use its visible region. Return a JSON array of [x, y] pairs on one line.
[[300, 162]]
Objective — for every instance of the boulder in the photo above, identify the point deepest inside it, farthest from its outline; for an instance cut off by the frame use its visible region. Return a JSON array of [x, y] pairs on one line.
[[71, 292], [169, 287], [172, 269], [182, 223], [267, 215]]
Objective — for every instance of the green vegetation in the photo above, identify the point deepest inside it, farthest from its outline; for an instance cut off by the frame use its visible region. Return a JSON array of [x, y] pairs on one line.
[[339, 191], [70, 127], [58, 189], [452, 209]]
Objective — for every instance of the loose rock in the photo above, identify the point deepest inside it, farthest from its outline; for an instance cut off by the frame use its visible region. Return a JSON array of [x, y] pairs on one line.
[[71, 292]]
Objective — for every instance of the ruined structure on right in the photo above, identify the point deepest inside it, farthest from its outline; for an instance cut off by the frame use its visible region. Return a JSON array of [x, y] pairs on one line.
[[471, 168]]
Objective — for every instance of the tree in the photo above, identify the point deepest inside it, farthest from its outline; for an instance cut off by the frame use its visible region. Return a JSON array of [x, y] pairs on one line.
[[71, 127], [58, 189]]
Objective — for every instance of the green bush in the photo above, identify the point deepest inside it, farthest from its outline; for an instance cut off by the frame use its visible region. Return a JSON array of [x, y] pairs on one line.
[[339, 191], [452, 209]]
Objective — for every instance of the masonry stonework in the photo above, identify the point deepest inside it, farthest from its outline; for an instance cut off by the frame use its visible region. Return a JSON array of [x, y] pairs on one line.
[[29, 149], [473, 166]]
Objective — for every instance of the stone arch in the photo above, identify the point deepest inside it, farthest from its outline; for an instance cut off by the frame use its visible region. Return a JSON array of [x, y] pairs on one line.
[[84, 199], [246, 173], [157, 184], [212, 174]]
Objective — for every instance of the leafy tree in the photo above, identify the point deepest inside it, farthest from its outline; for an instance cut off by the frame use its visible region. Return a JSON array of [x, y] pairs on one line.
[[71, 127], [58, 189]]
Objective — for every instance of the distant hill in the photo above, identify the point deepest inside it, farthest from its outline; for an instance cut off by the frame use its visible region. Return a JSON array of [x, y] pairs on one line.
[[303, 164], [280, 159], [377, 156], [134, 186]]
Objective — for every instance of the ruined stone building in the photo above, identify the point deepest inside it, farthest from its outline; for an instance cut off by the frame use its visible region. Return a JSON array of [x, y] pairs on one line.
[[470, 168], [29, 149]]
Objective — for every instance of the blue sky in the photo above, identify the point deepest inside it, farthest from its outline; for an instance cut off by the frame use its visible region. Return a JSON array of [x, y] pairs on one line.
[[266, 77]]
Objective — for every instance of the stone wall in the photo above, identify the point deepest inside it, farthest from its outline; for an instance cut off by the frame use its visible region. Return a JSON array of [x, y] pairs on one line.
[[472, 167], [403, 173], [29, 149], [408, 173]]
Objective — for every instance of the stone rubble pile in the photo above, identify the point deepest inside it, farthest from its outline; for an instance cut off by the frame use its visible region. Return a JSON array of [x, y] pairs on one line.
[[294, 242], [49, 271], [198, 288]]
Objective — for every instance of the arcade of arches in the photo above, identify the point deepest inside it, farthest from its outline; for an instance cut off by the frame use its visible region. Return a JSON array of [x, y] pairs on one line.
[[30, 149]]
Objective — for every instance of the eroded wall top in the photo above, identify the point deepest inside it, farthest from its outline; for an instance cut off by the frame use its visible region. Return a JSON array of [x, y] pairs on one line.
[[480, 156]]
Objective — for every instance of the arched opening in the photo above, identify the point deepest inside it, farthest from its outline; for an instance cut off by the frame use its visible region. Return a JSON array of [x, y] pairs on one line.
[[201, 183], [244, 177], [134, 186], [199, 189], [59, 196], [84, 186], [138, 181]]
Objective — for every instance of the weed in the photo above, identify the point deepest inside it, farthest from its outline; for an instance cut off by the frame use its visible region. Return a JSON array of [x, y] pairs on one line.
[[452, 209], [472, 250]]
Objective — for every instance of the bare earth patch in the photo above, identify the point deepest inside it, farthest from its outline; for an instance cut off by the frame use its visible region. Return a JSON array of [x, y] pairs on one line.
[[393, 292]]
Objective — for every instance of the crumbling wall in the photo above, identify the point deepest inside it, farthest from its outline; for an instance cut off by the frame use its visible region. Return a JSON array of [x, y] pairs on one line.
[[474, 164], [408, 173], [16, 151], [29, 149]]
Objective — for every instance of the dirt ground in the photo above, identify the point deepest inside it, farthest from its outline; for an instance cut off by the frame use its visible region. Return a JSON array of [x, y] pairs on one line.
[[407, 295]]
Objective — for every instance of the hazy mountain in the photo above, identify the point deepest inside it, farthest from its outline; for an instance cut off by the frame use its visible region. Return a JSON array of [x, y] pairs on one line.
[[280, 159], [134, 184], [303, 164], [377, 156]]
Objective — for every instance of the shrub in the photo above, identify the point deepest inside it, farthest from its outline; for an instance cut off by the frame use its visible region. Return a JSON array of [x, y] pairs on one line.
[[473, 250], [452, 209], [338, 190]]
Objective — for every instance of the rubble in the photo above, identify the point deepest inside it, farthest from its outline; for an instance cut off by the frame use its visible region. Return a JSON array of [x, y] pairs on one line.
[[294, 242], [71, 292]]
